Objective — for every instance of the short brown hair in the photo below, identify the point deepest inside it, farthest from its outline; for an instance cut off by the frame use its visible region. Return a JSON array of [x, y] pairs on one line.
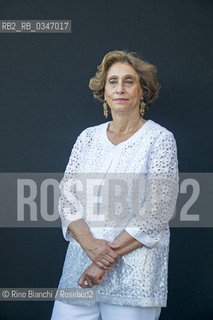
[[146, 72]]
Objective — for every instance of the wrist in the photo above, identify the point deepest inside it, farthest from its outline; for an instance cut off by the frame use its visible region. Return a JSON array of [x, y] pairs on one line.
[[86, 241]]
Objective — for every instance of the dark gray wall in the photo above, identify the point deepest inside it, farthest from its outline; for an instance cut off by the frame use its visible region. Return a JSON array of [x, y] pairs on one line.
[[45, 103]]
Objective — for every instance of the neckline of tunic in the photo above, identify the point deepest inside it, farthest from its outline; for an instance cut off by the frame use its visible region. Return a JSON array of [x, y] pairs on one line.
[[132, 137]]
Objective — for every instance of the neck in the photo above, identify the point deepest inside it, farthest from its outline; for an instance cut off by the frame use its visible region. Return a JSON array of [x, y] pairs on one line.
[[126, 123]]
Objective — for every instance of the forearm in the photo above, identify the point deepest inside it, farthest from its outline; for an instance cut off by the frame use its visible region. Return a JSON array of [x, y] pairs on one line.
[[126, 243], [82, 234], [80, 231]]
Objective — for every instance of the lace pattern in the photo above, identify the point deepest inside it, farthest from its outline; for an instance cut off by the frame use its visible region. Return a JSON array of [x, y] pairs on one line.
[[139, 277]]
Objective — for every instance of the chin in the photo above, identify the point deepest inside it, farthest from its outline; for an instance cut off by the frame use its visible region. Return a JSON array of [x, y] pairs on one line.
[[121, 110]]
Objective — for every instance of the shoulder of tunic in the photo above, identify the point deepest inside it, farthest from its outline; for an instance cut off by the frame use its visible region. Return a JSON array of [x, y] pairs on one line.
[[92, 131], [96, 128], [157, 129]]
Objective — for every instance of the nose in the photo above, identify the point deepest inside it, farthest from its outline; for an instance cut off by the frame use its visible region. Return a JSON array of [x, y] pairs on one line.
[[120, 87]]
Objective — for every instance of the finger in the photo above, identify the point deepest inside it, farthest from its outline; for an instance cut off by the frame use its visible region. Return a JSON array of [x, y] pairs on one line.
[[113, 254], [81, 282], [82, 285], [109, 259], [102, 266], [99, 281], [101, 278], [106, 262], [113, 245], [90, 283]]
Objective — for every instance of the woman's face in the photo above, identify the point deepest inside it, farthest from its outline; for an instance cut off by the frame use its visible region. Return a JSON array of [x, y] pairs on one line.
[[123, 91]]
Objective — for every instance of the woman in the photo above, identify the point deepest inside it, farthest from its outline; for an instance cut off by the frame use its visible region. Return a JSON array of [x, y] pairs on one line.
[[124, 258]]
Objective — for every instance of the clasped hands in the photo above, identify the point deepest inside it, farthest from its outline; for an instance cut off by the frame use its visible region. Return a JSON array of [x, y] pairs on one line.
[[103, 254]]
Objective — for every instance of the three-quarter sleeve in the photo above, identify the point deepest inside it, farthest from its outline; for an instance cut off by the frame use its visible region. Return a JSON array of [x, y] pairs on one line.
[[69, 207], [161, 191]]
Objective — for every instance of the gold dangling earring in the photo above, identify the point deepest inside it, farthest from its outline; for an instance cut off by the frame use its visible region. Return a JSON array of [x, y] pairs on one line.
[[142, 108], [105, 109]]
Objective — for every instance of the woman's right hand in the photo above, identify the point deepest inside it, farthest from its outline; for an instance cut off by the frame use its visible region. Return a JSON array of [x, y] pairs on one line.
[[102, 253]]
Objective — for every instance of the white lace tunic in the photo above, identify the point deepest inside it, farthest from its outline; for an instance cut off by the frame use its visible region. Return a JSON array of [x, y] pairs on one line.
[[138, 278]]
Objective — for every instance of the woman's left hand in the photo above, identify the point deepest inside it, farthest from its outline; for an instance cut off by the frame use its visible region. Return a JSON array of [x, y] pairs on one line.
[[93, 275]]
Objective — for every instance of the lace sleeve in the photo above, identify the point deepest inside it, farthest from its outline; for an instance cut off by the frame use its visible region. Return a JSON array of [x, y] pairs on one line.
[[69, 206], [160, 194]]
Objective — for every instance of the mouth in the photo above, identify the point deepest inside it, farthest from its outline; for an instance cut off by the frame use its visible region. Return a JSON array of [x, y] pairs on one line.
[[120, 99]]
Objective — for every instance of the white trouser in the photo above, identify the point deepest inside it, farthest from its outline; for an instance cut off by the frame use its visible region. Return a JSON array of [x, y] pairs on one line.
[[103, 311]]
